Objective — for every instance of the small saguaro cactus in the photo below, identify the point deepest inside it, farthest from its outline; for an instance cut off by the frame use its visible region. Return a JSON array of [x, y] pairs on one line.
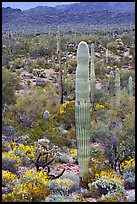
[[60, 66], [130, 86], [92, 76], [111, 83], [117, 85], [106, 56], [82, 112]]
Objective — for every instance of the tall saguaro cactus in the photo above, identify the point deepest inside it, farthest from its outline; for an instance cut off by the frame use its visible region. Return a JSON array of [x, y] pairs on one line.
[[117, 86], [130, 86], [82, 112], [92, 76], [60, 67]]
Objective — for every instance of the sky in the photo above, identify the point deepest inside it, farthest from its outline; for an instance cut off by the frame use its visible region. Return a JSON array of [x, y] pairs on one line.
[[28, 5]]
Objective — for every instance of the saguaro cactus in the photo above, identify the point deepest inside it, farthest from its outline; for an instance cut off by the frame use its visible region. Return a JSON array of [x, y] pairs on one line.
[[82, 112], [60, 67], [130, 86], [111, 83], [92, 76], [106, 56], [117, 86]]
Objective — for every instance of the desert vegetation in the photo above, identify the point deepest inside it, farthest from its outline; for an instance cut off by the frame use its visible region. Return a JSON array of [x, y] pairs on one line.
[[40, 131]]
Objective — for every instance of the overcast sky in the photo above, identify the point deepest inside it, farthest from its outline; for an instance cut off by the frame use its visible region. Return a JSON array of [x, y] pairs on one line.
[[28, 5]]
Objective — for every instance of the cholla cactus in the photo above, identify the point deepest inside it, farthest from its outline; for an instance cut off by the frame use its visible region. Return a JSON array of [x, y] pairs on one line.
[[117, 86], [111, 84], [82, 112], [92, 76], [130, 86]]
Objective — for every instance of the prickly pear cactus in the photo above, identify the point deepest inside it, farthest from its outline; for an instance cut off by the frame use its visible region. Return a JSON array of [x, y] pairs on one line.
[[82, 111]]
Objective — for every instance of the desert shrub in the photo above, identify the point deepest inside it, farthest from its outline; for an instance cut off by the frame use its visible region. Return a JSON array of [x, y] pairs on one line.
[[31, 187], [62, 185], [129, 177], [131, 198], [79, 198], [69, 87], [28, 112], [58, 197], [10, 162], [73, 155], [63, 158], [72, 65], [10, 82], [8, 178], [75, 179], [104, 186], [20, 150], [108, 182], [67, 115], [112, 197]]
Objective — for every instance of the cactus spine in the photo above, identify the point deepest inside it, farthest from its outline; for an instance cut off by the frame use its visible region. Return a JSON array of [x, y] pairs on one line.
[[111, 84], [117, 86], [130, 86], [82, 112], [92, 76], [60, 66]]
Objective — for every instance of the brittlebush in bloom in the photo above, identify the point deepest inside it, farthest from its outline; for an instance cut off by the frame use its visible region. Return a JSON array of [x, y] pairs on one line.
[[110, 175], [30, 187]]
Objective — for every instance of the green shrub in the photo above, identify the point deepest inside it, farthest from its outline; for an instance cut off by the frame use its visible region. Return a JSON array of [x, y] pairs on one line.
[[129, 177], [63, 158], [31, 187], [112, 197], [105, 185], [58, 197], [10, 162], [61, 185]]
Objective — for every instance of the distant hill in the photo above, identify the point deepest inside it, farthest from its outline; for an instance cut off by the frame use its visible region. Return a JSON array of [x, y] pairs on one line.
[[88, 13]]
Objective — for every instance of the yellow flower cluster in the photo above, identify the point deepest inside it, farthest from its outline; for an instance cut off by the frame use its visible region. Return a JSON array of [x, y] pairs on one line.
[[73, 152], [31, 188], [64, 184], [9, 155], [62, 108], [25, 148], [110, 175], [99, 107], [7, 177], [127, 163]]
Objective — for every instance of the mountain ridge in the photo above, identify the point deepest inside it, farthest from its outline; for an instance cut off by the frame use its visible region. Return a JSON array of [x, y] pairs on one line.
[[90, 13]]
